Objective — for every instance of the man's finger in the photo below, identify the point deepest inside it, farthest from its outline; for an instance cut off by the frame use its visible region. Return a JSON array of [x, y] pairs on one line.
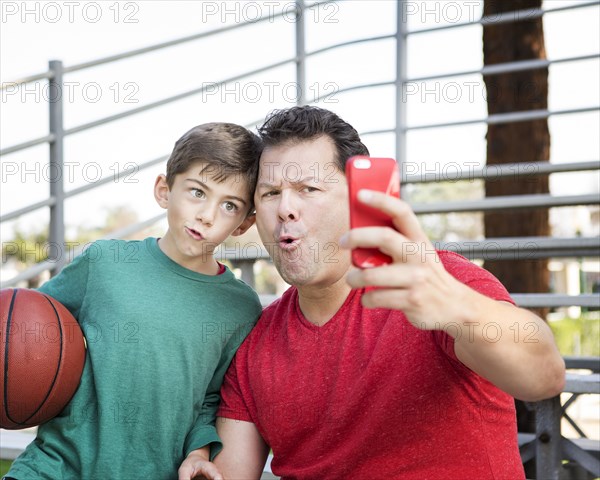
[[403, 217], [390, 242], [391, 276]]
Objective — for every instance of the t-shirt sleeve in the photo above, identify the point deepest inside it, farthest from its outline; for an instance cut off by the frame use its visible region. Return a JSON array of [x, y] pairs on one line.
[[70, 285], [476, 278], [233, 405]]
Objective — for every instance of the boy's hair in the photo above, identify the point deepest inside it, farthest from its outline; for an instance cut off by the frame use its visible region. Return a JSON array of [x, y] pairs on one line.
[[298, 124], [226, 148]]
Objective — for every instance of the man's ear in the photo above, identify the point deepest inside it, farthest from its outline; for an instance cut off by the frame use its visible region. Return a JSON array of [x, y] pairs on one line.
[[161, 191], [245, 225]]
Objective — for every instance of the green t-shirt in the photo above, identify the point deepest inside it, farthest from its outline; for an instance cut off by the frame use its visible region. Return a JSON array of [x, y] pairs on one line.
[[160, 338]]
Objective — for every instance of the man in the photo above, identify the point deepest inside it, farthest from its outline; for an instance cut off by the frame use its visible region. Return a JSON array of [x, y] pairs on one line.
[[402, 371]]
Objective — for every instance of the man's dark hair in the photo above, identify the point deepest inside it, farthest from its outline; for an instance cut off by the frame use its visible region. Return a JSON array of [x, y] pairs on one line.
[[299, 124], [226, 149]]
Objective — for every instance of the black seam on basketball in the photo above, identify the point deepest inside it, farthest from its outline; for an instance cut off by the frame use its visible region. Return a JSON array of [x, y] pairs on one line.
[[57, 366], [8, 325]]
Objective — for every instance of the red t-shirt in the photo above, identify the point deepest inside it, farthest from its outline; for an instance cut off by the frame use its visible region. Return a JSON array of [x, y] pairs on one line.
[[369, 396]]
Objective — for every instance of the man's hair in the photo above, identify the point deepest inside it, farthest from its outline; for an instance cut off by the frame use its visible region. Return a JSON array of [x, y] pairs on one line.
[[299, 124], [226, 149]]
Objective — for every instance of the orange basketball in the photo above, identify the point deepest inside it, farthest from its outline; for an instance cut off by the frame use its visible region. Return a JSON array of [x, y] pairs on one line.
[[42, 353]]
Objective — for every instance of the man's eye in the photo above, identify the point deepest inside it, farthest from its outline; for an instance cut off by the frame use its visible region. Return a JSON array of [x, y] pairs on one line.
[[271, 193], [310, 189]]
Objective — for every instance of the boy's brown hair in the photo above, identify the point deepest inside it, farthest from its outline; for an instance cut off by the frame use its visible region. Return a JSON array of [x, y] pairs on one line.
[[227, 150]]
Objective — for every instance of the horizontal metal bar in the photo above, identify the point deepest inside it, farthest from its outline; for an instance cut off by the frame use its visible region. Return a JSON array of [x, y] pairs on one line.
[[113, 178], [507, 67], [41, 267], [131, 229], [28, 144], [354, 87], [534, 300], [577, 383], [506, 202], [506, 17], [490, 172], [378, 132], [351, 42], [93, 63], [581, 457], [179, 41], [245, 253], [499, 118], [266, 299], [172, 43], [586, 363], [524, 248], [530, 300], [30, 208], [174, 98], [31, 78]]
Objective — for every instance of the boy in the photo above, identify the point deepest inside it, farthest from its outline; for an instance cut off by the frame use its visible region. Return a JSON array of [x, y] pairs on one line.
[[162, 319]]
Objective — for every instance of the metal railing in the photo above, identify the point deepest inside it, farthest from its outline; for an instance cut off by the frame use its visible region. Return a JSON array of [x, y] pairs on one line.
[[496, 248]]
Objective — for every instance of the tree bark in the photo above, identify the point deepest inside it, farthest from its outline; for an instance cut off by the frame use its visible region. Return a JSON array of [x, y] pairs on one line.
[[517, 142], [513, 143]]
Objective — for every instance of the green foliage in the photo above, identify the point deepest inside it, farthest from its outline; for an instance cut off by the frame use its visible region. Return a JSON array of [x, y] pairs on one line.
[[578, 336], [4, 466]]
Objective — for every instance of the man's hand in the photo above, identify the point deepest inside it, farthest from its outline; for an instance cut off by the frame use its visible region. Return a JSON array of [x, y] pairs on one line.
[[416, 282], [198, 466]]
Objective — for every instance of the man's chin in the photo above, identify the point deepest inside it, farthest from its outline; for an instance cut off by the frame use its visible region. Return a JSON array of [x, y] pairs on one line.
[[294, 273]]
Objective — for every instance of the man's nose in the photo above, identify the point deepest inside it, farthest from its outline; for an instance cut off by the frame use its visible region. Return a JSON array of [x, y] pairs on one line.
[[288, 206]]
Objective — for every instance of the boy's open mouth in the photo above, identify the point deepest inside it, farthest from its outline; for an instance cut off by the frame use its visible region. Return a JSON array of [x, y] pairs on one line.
[[196, 235]]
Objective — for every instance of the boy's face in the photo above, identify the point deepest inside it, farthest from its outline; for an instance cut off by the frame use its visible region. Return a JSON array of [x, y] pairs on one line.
[[201, 213]]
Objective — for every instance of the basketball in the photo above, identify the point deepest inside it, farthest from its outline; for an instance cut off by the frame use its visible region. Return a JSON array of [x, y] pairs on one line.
[[42, 353]]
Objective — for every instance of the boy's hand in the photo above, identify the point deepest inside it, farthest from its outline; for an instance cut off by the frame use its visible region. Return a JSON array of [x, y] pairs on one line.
[[198, 466]]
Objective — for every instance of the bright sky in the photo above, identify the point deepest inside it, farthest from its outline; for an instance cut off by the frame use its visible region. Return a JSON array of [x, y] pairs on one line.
[[34, 32]]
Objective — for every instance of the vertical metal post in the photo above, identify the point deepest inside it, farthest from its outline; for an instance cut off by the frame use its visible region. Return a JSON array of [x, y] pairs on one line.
[[57, 213], [247, 268], [401, 75], [548, 449], [300, 54]]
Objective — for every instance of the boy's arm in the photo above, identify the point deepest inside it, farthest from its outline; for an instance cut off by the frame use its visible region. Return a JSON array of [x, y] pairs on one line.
[[243, 455], [203, 432], [196, 464], [70, 285]]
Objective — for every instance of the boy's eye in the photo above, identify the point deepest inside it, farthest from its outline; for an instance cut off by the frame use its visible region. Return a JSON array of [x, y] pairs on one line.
[[196, 192], [231, 207]]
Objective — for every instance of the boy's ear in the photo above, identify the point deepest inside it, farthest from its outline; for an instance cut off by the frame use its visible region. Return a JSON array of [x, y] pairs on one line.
[[245, 225], [161, 191]]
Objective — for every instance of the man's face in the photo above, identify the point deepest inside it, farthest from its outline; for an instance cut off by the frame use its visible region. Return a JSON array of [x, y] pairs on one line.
[[302, 210]]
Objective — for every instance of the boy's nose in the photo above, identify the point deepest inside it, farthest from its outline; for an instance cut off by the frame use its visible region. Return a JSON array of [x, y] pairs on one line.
[[206, 215]]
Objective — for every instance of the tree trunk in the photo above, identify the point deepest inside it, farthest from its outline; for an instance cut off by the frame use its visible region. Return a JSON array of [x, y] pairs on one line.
[[517, 142]]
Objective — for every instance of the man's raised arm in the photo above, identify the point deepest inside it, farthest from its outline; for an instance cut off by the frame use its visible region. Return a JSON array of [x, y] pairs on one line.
[[525, 364]]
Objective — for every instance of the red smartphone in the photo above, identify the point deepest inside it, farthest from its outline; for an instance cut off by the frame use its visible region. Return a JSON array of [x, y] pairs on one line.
[[380, 174]]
